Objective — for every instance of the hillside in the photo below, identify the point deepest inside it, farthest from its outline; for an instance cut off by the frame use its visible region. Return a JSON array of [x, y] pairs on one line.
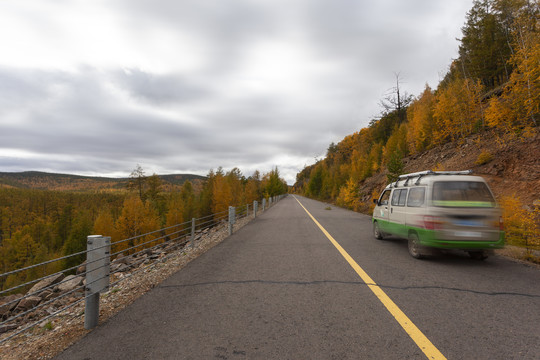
[[65, 182], [513, 171]]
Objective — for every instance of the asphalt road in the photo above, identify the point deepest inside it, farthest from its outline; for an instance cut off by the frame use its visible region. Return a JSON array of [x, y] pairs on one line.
[[279, 289]]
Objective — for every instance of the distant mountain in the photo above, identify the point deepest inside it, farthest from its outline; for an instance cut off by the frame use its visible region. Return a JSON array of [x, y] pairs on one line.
[[65, 182]]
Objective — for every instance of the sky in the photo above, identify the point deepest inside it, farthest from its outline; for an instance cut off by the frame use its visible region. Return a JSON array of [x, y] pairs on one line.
[[99, 87]]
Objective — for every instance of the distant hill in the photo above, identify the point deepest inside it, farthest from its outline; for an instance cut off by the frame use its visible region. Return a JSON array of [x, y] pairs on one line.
[[65, 182]]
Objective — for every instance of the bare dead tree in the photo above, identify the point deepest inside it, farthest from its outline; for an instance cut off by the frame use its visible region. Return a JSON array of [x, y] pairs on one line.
[[396, 99]]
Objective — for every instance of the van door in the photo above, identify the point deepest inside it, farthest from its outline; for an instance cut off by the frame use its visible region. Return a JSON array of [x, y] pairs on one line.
[[380, 213], [398, 213]]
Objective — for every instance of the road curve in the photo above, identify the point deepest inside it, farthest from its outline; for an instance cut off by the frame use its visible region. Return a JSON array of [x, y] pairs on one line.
[[279, 289]]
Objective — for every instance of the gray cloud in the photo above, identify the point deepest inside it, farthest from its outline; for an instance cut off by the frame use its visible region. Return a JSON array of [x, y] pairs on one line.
[[192, 85]]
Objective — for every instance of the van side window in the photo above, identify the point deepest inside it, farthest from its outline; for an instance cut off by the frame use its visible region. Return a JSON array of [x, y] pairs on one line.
[[395, 197], [398, 197], [402, 197], [416, 197], [385, 197]]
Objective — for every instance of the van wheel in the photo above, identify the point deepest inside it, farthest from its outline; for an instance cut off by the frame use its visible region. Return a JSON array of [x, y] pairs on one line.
[[377, 231], [415, 249], [478, 255]]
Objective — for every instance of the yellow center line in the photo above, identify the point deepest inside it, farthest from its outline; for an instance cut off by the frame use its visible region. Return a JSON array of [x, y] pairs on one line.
[[416, 335]]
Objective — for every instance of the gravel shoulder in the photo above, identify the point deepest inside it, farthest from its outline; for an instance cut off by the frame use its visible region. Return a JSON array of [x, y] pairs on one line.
[[44, 342]]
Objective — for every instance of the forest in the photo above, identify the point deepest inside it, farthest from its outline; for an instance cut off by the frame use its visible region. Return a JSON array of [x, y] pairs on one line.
[[40, 225], [492, 86]]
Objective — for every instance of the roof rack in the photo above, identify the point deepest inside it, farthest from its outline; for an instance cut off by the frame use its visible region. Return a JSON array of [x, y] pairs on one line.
[[420, 174]]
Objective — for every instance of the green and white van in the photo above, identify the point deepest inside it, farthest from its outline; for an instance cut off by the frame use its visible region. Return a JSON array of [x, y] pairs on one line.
[[440, 209]]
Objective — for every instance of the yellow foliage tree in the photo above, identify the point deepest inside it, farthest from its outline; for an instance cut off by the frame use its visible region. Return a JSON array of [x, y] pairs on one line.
[[421, 122], [175, 216], [348, 195], [519, 105], [221, 193], [521, 225], [137, 218], [457, 110]]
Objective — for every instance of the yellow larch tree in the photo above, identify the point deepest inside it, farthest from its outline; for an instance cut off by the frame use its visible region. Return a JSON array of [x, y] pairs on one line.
[[420, 117]]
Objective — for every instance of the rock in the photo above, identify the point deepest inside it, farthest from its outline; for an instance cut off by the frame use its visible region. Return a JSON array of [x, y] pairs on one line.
[[8, 303], [46, 282], [45, 294], [27, 303], [121, 259], [70, 282], [81, 269], [6, 328]]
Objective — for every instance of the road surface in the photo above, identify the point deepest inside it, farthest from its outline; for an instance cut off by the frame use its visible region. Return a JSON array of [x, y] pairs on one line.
[[293, 285]]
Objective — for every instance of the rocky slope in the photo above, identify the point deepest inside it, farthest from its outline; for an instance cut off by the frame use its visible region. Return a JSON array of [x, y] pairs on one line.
[[514, 168]]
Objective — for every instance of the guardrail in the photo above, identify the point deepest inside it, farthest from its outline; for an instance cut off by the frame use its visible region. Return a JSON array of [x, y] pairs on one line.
[[45, 298]]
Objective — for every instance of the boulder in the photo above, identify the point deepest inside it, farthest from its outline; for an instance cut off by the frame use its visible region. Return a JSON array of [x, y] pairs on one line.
[[27, 303], [45, 294], [46, 283], [6, 328], [8, 303], [70, 282]]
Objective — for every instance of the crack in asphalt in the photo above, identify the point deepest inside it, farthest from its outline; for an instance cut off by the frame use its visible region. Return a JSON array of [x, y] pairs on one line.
[[319, 282]]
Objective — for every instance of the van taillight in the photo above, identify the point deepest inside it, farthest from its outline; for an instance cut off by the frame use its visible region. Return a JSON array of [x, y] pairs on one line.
[[501, 223], [432, 222]]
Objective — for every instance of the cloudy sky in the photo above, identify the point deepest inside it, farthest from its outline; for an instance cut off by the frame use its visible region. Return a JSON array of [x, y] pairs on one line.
[[97, 87]]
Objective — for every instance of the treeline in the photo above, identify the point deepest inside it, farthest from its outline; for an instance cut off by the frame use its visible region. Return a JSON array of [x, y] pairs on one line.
[[494, 85], [39, 225]]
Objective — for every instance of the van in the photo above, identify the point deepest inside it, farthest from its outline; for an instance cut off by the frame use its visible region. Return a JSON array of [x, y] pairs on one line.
[[440, 210]]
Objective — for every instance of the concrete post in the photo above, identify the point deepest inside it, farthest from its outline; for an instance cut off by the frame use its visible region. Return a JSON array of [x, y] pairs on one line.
[[255, 204], [264, 204], [192, 240], [232, 219], [98, 260]]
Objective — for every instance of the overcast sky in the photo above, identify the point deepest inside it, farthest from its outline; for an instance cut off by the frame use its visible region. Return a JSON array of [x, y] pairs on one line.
[[97, 87]]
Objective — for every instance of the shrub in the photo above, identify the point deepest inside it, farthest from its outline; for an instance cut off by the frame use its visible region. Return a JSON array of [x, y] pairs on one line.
[[520, 224], [484, 158]]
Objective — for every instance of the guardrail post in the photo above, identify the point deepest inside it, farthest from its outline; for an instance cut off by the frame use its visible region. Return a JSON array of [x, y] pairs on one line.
[[255, 204], [98, 260], [192, 239], [247, 210], [232, 219]]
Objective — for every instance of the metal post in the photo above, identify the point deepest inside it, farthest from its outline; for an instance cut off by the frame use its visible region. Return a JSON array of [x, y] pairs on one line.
[[232, 219], [255, 204], [98, 260], [247, 210], [192, 240]]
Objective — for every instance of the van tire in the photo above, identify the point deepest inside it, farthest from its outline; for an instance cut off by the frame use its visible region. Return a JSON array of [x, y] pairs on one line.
[[377, 231], [415, 249]]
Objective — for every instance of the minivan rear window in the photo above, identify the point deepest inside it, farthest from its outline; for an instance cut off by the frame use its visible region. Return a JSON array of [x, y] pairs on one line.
[[462, 194]]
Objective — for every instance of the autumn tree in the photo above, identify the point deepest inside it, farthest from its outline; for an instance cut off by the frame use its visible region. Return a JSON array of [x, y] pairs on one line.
[[137, 218], [275, 185], [221, 193], [421, 121], [175, 216], [137, 180], [519, 105], [187, 196], [348, 195], [458, 112], [253, 188]]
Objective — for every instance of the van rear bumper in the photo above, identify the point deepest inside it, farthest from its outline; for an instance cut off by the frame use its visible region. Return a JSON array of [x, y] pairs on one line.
[[438, 239]]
